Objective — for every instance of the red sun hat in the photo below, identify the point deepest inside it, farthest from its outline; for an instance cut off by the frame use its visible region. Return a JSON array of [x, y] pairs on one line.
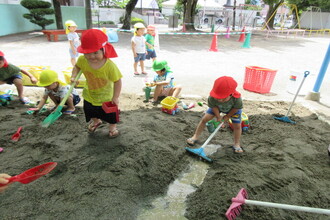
[[2, 54], [224, 87], [93, 40], [5, 61]]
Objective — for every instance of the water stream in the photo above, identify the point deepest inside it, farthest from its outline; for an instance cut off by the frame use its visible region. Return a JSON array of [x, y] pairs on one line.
[[172, 205]]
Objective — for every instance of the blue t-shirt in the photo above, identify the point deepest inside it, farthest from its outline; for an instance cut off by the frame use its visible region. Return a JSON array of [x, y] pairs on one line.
[[168, 76]]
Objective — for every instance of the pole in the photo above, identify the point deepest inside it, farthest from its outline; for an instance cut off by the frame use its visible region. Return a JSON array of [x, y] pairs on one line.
[[322, 72], [234, 15]]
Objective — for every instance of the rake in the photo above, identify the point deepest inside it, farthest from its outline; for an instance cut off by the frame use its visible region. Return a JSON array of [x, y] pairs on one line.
[[241, 198]]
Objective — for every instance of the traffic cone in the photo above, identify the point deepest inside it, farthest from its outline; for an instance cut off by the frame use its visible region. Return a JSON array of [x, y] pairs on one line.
[[228, 31], [242, 36], [184, 27], [246, 43], [214, 44]]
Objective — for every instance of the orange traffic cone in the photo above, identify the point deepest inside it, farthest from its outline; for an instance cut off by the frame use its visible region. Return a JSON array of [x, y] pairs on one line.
[[214, 44], [242, 36], [184, 27]]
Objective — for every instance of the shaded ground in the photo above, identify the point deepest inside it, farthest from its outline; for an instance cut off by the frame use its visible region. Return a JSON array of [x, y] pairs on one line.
[[102, 178]]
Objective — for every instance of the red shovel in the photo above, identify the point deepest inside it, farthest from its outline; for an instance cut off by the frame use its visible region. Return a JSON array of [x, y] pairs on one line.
[[17, 135], [32, 174]]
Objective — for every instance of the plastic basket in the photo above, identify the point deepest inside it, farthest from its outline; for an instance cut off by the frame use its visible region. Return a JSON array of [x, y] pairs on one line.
[[258, 79], [169, 102]]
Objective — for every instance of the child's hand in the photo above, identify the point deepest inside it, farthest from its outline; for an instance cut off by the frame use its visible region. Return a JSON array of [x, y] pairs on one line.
[[226, 118], [33, 80], [4, 180], [115, 100]]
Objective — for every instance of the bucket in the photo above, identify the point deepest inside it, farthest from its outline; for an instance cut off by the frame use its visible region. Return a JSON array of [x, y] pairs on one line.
[[294, 80]]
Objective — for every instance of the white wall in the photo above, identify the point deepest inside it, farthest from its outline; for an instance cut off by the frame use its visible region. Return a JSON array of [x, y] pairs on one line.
[[315, 20]]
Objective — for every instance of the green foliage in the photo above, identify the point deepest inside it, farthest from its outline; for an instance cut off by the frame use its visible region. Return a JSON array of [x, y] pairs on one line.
[[38, 9], [121, 4], [324, 5], [135, 20], [107, 22]]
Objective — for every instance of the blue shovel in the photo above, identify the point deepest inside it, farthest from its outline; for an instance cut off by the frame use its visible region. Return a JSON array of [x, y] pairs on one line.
[[200, 151], [286, 118]]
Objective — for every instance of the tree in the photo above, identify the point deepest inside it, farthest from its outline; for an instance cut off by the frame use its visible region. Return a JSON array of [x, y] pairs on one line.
[[128, 9], [88, 12], [58, 14], [38, 9], [303, 5], [273, 6], [189, 12]]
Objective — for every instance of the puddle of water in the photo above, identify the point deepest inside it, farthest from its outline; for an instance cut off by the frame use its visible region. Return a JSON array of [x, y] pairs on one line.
[[172, 205]]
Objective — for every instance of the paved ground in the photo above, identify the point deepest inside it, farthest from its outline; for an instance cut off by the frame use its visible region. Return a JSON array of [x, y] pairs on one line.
[[194, 66]]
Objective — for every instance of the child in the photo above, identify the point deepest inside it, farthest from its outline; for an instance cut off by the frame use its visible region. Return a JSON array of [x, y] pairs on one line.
[[73, 38], [3, 180], [11, 74], [56, 90], [164, 81], [151, 53], [139, 47], [103, 79], [223, 98]]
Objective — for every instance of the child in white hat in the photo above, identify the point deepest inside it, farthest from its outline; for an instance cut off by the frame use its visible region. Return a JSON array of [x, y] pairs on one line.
[[73, 38]]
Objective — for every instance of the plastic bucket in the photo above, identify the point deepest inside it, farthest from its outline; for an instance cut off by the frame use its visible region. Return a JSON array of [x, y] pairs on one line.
[[294, 80]]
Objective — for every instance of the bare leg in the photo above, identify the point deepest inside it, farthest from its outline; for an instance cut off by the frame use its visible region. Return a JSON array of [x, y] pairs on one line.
[[69, 103], [157, 92], [113, 132], [135, 67], [237, 134], [201, 126], [19, 85], [175, 91], [142, 65], [55, 99]]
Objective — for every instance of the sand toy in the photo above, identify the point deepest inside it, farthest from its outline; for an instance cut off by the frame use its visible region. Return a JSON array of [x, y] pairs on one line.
[[17, 134], [32, 174], [58, 112], [5, 98], [200, 151], [110, 107], [245, 122], [169, 105], [241, 198], [286, 118]]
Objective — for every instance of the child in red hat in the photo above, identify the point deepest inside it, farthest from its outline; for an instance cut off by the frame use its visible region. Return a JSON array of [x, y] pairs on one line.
[[150, 38], [103, 79], [11, 74], [223, 99]]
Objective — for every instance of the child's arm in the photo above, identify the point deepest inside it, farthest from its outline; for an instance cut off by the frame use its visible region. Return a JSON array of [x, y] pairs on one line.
[[150, 46], [32, 78], [4, 180], [133, 49], [230, 114], [74, 74], [72, 47], [42, 102], [116, 92], [217, 113]]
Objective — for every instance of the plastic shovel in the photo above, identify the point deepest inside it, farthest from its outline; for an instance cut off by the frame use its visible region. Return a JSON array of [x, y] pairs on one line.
[[58, 111], [200, 151], [17, 134], [32, 174], [286, 118]]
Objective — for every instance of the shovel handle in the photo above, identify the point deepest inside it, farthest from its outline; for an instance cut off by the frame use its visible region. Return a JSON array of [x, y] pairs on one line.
[[11, 179]]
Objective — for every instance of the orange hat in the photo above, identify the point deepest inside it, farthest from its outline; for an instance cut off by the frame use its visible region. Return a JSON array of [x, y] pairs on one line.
[[151, 27], [5, 61], [93, 40], [224, 87]]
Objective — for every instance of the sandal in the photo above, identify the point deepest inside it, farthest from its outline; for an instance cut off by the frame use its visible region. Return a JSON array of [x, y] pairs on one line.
[[136, 73], [24, 100], [92, 127], [191, 141], [237, 150], [145, 73], [114, 133]]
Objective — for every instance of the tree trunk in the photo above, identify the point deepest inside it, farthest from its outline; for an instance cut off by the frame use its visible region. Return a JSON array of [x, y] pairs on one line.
[[127, 19], [88, 13], [272, 10], [189, 15], [58, 14]]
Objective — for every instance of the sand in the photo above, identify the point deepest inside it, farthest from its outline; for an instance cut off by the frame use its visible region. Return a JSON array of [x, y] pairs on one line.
[[101, 178]]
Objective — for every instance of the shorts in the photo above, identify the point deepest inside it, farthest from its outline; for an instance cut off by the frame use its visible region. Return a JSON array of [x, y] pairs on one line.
[[76, 99], [165, 91], [10, 80], [140, 57], [151, 54], [92, 111], [72, 55], [236, 118]]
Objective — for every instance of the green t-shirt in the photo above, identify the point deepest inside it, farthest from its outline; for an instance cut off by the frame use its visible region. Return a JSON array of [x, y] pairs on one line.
[[151, 40], [9, 71], [225, 107], [99, 86]]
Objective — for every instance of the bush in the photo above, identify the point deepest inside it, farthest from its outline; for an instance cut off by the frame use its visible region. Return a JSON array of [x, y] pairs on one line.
[[38, 9], [107, 22], [135, 20]]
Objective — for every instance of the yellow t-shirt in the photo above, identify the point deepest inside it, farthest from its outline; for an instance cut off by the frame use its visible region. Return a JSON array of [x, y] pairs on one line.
[[99, 86]]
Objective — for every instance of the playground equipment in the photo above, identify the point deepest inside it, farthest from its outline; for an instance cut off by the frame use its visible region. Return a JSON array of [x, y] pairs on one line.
[[169, 105], [283, 17], [313, 13], [241, 199]]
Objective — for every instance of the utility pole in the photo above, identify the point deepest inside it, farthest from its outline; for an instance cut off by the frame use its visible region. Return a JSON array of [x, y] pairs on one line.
[[234, 15]]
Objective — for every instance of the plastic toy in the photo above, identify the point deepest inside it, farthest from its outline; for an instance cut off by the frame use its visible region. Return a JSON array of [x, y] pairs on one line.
[[5, 99], [109, 107], [191, 105], [17, 134], [184, 106], [1, 149], [169, 105], [245, 122], [200, 103], [212, 125]]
